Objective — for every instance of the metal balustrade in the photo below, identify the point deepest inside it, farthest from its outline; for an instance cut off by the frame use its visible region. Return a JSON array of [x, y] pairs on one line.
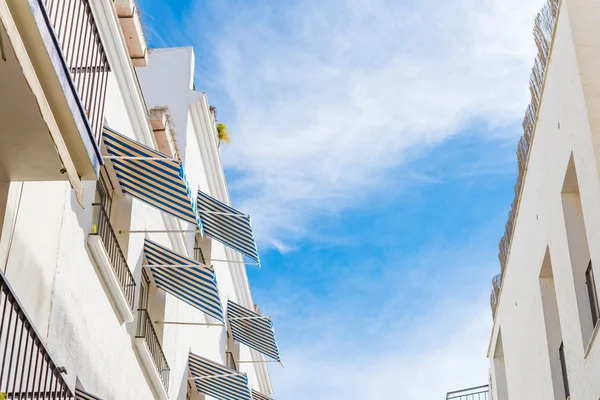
[[103, 228], [83, 52], [27, 371], [145, 330], [474, 393]]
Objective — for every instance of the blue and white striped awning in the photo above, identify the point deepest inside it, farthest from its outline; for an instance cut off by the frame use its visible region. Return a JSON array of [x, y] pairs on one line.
[[227, 225], [252, 329], [218, 381], [81, 395], [186, 279], [151, 176], [259, 396]]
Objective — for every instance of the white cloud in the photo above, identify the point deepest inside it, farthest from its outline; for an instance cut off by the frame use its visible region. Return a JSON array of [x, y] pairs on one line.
[[411, 327], [329, 96], [447, 352]]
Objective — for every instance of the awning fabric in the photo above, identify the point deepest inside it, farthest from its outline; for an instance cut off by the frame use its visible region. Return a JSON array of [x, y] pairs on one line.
[[259, 396], [227, 225], [218, 381], [81, 395], [189, 281], [157, 180], [252, 329]]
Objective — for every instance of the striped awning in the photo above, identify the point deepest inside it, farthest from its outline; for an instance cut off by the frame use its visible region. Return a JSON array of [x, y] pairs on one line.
[[227, 225], [186, 279], [218, 381], [252, 329], [81, 395], [151, 176], [259, 396]]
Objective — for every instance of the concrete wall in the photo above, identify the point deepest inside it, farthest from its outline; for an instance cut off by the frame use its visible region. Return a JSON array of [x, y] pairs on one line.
[[557, 233]]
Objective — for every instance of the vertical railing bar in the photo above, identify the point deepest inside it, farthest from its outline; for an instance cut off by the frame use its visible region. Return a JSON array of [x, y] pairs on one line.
[[58, 377], [7, 338], [78, 49], [72, 38], [46, 376], [11, 351], [94, 76], [3, 310], [78, 53], [89, 32], [69, 25], [58, 22], [37, 359], [85, 51], [101, 93], [18, 356], [33, 346]]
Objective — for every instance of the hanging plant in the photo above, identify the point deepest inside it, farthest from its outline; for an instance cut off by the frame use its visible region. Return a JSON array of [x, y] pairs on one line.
[[223, 133]]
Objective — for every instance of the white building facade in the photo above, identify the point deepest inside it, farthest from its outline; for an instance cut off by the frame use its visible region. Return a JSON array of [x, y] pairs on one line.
[[85, 309], [544, 342]]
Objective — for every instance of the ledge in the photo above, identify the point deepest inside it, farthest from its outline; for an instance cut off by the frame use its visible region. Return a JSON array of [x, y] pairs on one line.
[[142, 349], [106, 270]]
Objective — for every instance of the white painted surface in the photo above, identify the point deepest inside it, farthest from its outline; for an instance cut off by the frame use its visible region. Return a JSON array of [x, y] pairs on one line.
[[566, 126], [45, 232]]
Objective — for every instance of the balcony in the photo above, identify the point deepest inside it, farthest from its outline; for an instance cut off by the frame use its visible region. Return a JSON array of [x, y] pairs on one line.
[[56, 71], [112, 264], [150, 351], [27, 370], [474, 393], [131, 25]]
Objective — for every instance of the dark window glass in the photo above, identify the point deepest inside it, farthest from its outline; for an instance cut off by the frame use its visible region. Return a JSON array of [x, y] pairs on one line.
[[563, 367], [593, 295]]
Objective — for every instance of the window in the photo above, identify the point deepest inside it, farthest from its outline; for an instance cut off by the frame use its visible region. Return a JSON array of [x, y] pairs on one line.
[[202, 249], [198, 254], [499, 371], [230, 360], [575, 226], [551, 323], [104, 191], [563, 366], [591, 287]]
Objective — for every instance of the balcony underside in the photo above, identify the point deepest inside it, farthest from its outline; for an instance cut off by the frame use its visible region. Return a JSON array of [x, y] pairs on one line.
[[27, 151], [44, 134]]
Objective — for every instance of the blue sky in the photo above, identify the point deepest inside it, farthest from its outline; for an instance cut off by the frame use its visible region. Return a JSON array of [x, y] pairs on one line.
[[373, 145]]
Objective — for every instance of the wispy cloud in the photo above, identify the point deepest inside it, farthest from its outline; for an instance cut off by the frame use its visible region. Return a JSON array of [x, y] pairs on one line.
[[330, 97], [412, 326]]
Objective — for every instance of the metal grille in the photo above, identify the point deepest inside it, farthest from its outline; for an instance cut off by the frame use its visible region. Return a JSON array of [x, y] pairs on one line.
[[474, 393], [82, 49], [146, 331], [27, 371], [103, 228]]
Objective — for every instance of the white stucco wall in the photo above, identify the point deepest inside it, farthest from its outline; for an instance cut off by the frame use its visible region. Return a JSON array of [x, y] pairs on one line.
[[44, 250], [524, 316]]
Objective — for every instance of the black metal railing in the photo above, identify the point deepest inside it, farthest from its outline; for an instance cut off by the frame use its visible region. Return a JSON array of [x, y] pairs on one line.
[[27, 371], [146, 331], [102, 227], [84, 54], [474, 393]]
